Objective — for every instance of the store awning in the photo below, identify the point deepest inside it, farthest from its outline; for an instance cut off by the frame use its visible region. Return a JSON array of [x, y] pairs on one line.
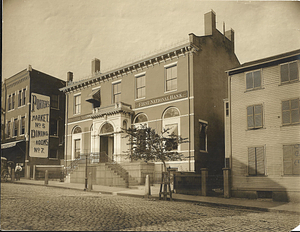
[[94, 96], [11, 144]]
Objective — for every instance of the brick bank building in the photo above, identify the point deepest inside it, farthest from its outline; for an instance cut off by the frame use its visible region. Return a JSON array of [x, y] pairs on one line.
[[182, 89], [32, 122]]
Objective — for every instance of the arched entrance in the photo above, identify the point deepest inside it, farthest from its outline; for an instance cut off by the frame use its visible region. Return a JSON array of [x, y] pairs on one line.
[[106, 143]]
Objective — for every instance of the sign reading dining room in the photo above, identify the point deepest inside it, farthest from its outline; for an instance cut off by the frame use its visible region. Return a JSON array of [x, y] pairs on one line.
[[39, 125], [157, 100]]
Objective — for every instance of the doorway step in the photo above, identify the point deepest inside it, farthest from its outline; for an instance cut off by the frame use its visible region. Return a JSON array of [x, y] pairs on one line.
[[122, 173]]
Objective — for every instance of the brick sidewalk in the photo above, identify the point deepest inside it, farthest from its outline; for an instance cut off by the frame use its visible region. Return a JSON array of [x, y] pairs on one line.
[[138, 191]]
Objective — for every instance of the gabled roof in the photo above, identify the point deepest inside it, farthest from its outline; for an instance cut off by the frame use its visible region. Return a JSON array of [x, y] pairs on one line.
[[269, 61]]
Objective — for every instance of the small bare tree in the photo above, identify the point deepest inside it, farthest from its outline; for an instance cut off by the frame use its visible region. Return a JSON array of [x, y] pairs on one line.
[[146, 144]]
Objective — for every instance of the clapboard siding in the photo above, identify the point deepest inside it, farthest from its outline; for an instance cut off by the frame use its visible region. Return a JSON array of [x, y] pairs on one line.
[[272, 136]]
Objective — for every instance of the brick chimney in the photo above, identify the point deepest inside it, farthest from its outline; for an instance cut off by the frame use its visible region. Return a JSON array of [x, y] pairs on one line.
[[69, 77], [95, 66], [230, 35], [209, 23]]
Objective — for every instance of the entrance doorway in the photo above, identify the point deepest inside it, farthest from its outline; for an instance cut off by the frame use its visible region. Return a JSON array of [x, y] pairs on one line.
[[107, 146], [107, 143]]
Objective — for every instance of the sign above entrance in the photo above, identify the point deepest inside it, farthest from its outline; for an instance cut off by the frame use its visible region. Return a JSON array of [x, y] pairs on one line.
[[167, 98]]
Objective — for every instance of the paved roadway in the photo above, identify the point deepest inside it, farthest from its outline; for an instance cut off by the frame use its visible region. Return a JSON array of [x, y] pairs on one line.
[[28, 207]]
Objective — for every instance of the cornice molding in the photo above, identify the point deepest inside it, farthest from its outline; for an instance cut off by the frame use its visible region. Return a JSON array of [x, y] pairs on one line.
[[157, 59]]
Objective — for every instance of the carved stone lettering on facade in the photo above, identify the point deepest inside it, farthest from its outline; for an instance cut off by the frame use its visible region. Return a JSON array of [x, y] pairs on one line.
[[158, 100]]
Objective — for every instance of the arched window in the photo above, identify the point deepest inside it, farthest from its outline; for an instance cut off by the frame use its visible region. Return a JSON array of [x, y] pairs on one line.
[[171, 122], [76, 142], [171, 112], [107, 128], [141, 118], [77, 130], [124, 125]]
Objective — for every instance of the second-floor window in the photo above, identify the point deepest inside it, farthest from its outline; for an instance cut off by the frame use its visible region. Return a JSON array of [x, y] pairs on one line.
[[15, 127], [171, 78], [254, 116], [54, 101], [54, 127], [22, 126], [290, 111], [8, 129], [77, 104], [117, 92], [289, 72], [253, 80], [140, 86]]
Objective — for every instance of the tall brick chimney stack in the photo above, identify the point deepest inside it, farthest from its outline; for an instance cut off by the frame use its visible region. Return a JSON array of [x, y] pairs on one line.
[[230, 35], [95, 66], [209, 23], [69, 77]]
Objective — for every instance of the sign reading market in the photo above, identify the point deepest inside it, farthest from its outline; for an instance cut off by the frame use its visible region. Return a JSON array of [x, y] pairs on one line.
[[39, 125], [170, 97]]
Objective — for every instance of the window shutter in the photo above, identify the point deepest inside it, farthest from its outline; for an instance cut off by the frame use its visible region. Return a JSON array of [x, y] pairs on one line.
[[260, 160], [251, 161], [293, 71], [249, 81], [296, 159], [258, 116], [286, 112], [295, 110], [287, 160], [257, 79], [284, 73], [250, 119]]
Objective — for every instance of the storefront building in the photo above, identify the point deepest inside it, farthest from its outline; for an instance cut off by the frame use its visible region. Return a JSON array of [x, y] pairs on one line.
[[262, 128], [32, 120], [181, 89]]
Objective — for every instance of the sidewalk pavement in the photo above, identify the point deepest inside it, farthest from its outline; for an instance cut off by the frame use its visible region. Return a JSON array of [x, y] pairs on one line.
[[138, 191]]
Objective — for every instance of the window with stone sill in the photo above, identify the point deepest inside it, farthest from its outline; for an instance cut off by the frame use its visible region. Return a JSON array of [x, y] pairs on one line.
[[15, 127], [171, 78], [77, 104], [140, 86]]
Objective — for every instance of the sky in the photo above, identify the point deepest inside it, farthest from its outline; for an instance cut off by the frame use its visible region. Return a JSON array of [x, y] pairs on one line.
[[57, 36]]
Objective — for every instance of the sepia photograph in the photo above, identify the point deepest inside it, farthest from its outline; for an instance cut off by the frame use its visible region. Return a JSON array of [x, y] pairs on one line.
[[165, 115]]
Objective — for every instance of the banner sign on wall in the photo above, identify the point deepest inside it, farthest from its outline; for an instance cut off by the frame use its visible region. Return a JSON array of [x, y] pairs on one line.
[[39, 125]]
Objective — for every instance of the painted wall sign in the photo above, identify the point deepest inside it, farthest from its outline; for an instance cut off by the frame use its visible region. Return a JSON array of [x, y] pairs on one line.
[[153, 101], [39, 125]]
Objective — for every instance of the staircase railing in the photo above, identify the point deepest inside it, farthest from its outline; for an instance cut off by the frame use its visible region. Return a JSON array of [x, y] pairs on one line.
[[117, 168], [74, 164], [99, 157]]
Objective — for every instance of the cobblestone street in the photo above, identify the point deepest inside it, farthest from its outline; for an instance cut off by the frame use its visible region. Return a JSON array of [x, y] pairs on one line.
[[27, 207]]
